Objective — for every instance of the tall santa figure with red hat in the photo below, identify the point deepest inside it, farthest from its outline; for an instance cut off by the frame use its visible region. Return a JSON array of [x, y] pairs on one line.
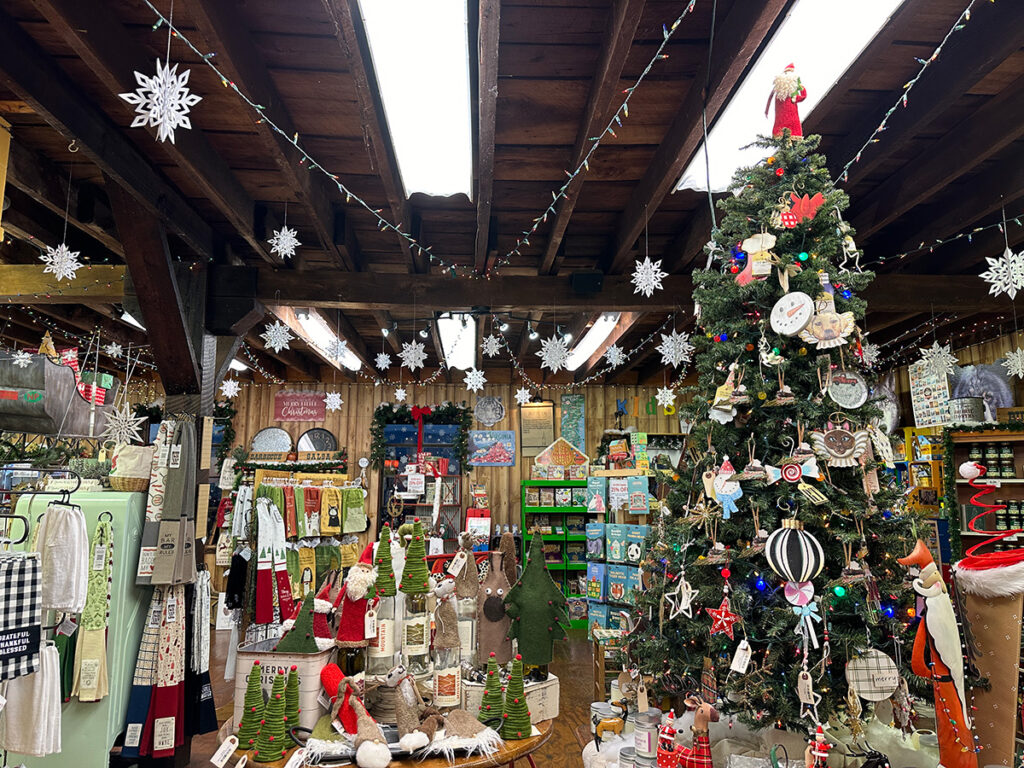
[[787, 92]]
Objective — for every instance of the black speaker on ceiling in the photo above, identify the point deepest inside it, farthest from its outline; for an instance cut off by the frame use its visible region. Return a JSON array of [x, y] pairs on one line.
[[589, 281]]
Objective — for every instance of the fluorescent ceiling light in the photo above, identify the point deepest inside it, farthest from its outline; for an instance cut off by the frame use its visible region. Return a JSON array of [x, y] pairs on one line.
[[420, 54], [320, 335], [592, 339], [822, 39], [238, 365], [458, 339], [132, 321]]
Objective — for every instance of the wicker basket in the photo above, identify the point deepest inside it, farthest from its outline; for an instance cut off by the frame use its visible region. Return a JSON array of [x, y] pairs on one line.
[[126, 484]]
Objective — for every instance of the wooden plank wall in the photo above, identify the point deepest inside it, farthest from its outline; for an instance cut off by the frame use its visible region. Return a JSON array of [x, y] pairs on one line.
[[351, 425]]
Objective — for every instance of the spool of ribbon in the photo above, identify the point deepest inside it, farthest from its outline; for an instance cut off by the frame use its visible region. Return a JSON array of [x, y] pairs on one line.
[[417, 414]]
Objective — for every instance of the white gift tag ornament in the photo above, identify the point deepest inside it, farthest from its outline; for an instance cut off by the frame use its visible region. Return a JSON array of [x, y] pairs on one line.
[[457, 564], [641, 697], [741, 659], [224, 751], [370, 623]]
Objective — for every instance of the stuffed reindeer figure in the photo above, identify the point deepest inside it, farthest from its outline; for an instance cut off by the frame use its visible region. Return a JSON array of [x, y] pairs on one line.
[[699, 755]]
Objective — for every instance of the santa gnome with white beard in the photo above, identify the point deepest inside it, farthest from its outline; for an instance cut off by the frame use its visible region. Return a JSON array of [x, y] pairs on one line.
[[351, 602], [787, 92]]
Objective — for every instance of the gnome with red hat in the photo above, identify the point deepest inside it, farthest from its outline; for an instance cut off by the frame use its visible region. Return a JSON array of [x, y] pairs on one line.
[[351, 611], [787, 92]]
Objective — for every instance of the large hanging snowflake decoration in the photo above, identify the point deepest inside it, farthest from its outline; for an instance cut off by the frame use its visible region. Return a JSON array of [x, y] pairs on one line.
[[491, 345], [666, 396], [337, 349], [114, 350], [382, 361], [162, 101], [675, 349], [61, 262], [230, 388], [123, 426], [553, 353], [523, 396], [475, 380], [400, 395], [615, 356], [284, 242], [22, 358], [413, 354], [1005, 273], [333, 401], [647, 277], [1014, 363], [277, 335], [870, 354], [939, 360]]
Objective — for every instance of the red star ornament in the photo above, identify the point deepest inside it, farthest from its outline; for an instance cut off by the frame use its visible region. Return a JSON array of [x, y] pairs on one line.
[[722, 618]]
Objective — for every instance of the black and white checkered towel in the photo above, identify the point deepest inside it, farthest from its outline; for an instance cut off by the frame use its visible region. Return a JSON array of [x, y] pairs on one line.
[[21, 609]]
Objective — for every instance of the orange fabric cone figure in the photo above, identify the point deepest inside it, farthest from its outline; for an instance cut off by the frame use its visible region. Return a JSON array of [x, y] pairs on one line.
[[937, 656]]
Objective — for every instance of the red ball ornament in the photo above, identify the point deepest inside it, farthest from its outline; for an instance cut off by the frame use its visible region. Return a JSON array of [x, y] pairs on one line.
[[726, 573], [779, 171], [734, 269]]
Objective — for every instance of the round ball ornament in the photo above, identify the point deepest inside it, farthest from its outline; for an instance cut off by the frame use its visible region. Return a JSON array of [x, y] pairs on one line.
[[848, 389], [793, 553], [873, 675], [792, 313]]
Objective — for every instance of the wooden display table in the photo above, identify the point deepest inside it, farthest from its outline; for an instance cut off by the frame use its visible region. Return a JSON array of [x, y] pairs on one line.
[[507, 755]]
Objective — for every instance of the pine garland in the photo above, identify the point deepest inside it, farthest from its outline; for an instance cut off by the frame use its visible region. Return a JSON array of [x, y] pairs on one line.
[[492, 702], [385, 584], [252, 709], [415, 576], [515, 716], [445, 413], [271, 744]]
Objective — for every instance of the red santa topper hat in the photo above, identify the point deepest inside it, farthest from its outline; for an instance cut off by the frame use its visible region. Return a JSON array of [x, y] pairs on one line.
[[789, 68], [727, 469]]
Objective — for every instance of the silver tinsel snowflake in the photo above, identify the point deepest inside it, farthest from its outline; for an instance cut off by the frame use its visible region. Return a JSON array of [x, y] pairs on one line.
[[383, 361], [1014, 363], [491, 345], [665, 397], [412, 355], [523, 395], [1005, 274], [870, 353], [333, 401], [123, 426], [939, 359], [61, 262], [284, 242], [615, 356], [22, 358], [647, 276], [163, 101], [114, 349], [553, 353], [675, 349], [400, 394], [230, 388], [475, 380], [277, 335]]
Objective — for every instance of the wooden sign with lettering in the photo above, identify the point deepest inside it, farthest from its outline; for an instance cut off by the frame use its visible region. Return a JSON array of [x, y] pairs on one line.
[[299, 406]]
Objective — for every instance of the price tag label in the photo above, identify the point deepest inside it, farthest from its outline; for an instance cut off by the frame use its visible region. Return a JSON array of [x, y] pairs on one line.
[[741, 659], [175, 456], [172, 609], [163, 455], [133, 735], [154, 615], [297, 760], [324, 700], [163, 733], [458, 563], [641, 697], [67, 626], [99, 557], [370, 623], [224, 751]]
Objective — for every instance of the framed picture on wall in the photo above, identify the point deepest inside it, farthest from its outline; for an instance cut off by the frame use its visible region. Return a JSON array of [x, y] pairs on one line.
[[536, 426]]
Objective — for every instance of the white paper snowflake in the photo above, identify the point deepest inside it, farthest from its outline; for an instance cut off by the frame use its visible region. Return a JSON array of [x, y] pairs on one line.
[[666, 396], [337, 349], [123, 426], [939, 359], [647, 276], [61, 262], [333, 401], [1005, 273], [22, 358], [163, 101], [615, 356], [383, 361], [475, 380], [675, 349], [230, 388], [523, 396], [412, 355], [1014, 363], [277, 335], [400, 395], [491, 345], [114, 349], [553, 353], [284, 242], [870, 353]]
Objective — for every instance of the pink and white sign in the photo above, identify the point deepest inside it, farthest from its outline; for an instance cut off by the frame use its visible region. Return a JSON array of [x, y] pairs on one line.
[[299, 406]]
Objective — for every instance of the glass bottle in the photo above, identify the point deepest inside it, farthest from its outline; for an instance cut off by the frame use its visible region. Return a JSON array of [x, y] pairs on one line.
[[466, 609], [380, 654], [416, 636]]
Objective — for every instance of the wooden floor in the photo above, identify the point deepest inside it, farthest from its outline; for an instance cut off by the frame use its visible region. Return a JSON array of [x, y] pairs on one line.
[[572, 665]]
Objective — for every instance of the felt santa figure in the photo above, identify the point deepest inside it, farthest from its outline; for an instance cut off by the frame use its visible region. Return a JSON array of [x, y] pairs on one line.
[[816, 754], [787, 92], [352, 605]]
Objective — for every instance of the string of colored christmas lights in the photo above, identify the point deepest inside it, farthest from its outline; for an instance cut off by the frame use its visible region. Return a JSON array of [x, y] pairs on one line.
[[968, 234], [40, 319]]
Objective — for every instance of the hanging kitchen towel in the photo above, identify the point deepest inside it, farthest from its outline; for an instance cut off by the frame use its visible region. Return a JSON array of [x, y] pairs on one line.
[[155, 500], [21, 615], [145, 676], [30, 721], [271, 564], [307, 571], [90, 681], [311, 506], [241, 517], [355, 512], [330, 511], [234, 593], [66, 652], [301, 525], [165, 725], [63, 543], [203, 710], [169, 566], [291, 525]]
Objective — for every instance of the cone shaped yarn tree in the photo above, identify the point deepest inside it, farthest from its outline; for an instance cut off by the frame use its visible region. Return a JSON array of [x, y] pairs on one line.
[[385, 584], [252, 711], [537, 608], [415, 576], [291, 699], [492, 702], [515, 716], [271, 743]]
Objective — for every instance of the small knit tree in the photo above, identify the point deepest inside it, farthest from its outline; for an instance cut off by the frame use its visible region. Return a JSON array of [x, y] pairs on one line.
[[252, 709], [270, 743], [515, 716], [299, 639], [492, 702], [415, 576], [291, 699], [537, 608], [385, 585]]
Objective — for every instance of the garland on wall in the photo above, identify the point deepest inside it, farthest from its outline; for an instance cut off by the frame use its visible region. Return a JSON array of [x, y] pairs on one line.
[[338, 464], [224, 413], [445, 413]]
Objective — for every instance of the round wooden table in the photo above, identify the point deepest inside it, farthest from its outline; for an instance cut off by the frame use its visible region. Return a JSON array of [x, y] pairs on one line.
[[507, 755]]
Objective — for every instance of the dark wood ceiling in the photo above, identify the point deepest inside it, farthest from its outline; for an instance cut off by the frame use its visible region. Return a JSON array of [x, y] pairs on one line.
[[547, 75]]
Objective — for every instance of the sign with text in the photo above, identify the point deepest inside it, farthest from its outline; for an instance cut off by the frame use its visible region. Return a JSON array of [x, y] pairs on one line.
[[299, 406]]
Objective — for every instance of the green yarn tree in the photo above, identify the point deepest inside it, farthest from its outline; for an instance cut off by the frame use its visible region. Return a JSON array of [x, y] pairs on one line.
[[415, 576], [252, 709], [537, 607], [385, 584], [291, 699], [492, 702], [515, 715], [271, 743], [300, 639]]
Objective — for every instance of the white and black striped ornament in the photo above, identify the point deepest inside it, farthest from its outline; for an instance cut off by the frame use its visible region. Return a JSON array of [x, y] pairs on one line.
[[793, 553]]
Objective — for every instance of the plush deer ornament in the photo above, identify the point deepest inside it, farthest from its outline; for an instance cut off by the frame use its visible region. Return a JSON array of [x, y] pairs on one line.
[[699, 755]]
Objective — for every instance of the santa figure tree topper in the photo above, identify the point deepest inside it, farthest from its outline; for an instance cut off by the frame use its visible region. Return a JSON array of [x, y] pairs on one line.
[[787, 92]]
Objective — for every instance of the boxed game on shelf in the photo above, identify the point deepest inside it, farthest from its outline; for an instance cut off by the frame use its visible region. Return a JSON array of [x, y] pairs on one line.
[[595, 541], [635, 536], [615, 542], [596, 584], [575, 552]]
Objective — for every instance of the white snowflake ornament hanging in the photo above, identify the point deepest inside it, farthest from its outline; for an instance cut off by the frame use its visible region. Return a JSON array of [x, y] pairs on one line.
[[400, 395], [162, 101], [22, 358], [870, 354], [383, 361], [675, 349], [412, 355], [277, 335], [523, 396], [284, 242], [114, 350], [123, 426], [614, 356], [1005, 273], [647, 277], [61, 262], [230, 388], [491, 345], [1014, 363], [666, 396], [553, 353], [337, 349], [939, 359], [475, 380], [333, 401]]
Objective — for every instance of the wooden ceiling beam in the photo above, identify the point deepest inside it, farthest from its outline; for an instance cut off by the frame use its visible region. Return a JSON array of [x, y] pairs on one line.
[[393, 337], [488, 25], [605, 91], [287, 359], [687, 246], [27, 284], [312, 357], [876, 326], [86, 320], [743, 31], [626, 323], [533, 318]]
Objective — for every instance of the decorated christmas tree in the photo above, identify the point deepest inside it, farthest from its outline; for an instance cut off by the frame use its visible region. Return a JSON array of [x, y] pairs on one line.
[[252, 709], [515, 715], [291, 699], [492, 701], [537, 607], [271, 743], [385, 585], [783, 391], [415, 576]]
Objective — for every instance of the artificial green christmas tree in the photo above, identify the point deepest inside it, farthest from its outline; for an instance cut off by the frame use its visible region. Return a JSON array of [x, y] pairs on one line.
[[780, 368], [271, 743], [537, 607], [415, 576], [252, 709], [291, 699], [515, 715], [492, 701], [385, 584]]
